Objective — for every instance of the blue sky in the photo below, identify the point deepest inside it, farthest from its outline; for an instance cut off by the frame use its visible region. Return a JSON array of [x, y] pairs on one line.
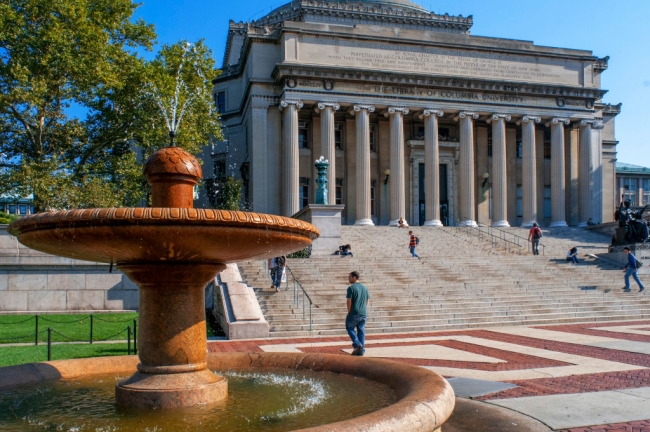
[[615, 29]]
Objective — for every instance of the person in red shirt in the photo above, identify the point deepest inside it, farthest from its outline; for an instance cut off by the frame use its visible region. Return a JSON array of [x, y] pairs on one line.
[[413, 244], [534, 235]]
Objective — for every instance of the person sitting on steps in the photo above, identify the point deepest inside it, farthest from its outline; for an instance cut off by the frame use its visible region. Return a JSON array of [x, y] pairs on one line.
[[572, 255], [346, 250]]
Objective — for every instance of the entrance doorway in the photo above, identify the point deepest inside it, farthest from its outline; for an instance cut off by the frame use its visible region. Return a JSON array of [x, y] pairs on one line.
[[444, 198]]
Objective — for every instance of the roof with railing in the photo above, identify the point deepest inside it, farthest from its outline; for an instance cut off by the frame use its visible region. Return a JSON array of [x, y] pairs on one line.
[[626, 168]]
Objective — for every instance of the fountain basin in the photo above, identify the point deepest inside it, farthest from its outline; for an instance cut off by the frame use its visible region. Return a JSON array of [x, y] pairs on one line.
[[424, 399], [171, 254], [157, 234]]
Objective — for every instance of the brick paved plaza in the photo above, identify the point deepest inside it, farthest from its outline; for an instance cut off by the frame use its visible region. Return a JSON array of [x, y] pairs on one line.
[[577, 377]]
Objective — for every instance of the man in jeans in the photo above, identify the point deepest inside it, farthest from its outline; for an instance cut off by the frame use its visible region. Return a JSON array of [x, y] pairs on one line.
[[630, 270], [413, 242], [357, 300]]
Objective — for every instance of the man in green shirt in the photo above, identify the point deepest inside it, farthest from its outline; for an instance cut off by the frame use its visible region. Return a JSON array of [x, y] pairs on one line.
[[357, 300]]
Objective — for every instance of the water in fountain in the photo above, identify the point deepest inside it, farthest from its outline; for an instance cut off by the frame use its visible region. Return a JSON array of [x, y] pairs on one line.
[[272, 400]]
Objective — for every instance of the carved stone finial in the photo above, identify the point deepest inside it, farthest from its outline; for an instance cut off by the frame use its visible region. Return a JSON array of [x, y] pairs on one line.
[[172, 173]]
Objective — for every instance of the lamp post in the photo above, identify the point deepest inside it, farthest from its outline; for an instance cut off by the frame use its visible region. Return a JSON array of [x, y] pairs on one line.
[[321, 165], [387, 173]]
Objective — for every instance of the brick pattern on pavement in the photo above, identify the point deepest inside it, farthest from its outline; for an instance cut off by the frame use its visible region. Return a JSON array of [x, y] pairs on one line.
[[590, 329], [592, 382], [512, 361], [635, 426], [574, 384]]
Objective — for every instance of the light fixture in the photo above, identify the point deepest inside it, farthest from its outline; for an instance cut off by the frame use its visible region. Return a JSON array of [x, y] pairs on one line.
[[486, 176], [387, 172]]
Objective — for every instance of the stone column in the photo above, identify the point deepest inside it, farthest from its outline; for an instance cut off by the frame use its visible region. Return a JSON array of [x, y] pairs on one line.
[[397, 183], [327, 110], [528, 171], [290, 160], [558, 193], [585, 173], [431, 167], [466, 216], [364, 213], [499, 165]]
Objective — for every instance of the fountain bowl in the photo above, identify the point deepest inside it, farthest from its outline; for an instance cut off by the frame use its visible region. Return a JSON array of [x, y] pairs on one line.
[[424, 400]]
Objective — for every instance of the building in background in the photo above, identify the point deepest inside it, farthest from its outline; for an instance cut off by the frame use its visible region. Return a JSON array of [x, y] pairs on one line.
[[418, 118], [633, 184], [17, 206]]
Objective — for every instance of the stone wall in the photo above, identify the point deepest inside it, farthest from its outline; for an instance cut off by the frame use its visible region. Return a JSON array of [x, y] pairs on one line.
[[32, 281]]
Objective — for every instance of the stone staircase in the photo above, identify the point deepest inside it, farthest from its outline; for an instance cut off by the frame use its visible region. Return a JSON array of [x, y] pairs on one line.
[[461, 281]]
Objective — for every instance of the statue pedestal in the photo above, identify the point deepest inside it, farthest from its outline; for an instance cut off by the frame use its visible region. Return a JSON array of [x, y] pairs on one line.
[[620, 236], [327, 218]]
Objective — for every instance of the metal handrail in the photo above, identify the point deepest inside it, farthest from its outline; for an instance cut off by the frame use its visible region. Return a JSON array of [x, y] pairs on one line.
[[296, 284], [488, 230]]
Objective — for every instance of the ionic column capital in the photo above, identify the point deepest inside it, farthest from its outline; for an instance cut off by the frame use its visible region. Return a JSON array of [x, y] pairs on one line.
[[433, 111], [369, 108], [471, 114], [393, 110], [286, 102], [558, 120], [531, 118], [505, 117], [595, 124], [333, 105]]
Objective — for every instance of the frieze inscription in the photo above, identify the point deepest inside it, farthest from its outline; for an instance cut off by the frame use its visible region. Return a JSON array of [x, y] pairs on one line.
[[433, 60]]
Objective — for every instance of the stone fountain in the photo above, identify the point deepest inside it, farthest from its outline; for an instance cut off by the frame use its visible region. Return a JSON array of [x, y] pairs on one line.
[[171, 251]]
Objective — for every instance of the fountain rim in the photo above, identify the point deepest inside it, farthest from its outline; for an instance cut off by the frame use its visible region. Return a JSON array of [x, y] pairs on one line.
[[425, 400], [160, 216]]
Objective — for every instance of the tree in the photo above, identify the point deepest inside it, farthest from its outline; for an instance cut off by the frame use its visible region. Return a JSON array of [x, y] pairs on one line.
[[54, 54], [179, 84], [224, 195]]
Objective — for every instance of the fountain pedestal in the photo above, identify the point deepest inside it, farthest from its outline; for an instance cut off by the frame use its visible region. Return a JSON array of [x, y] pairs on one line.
[[172, 337], [171, 251]]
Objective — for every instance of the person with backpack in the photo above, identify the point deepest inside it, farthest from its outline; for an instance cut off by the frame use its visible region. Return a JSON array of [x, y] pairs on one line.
[[630, 269], [278, 271], [534, 235], [413, 243]]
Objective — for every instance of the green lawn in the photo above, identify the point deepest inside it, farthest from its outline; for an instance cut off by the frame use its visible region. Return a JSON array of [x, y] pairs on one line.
[[13, 355], [65, 327]]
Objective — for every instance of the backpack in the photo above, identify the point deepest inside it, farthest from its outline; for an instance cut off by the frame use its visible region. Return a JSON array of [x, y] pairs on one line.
[[537, 234], [639, 264], [417, 240]]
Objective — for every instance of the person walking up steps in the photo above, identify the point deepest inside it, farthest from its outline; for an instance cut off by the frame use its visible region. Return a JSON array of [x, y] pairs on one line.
[[534, 235], [357, 301], [413, 243], [630, 269]]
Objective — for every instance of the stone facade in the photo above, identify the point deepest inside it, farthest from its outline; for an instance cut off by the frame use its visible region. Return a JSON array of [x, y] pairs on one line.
[[32, 281], [504, 131]]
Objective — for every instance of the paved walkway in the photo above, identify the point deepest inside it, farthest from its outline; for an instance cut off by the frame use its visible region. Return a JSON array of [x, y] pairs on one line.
[[577, 377]]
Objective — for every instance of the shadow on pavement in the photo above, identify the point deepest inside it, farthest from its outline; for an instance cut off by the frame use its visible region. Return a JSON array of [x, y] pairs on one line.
[[471, 415]]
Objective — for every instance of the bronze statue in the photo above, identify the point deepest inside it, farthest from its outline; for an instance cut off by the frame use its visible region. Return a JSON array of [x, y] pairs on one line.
[[636, 229]]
